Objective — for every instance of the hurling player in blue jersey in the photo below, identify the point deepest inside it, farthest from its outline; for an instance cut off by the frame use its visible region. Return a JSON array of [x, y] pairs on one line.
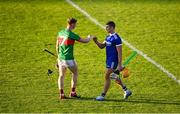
[[113, 46]]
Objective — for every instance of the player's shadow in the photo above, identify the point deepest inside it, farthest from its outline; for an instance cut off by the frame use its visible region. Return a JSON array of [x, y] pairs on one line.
[[148, 101], [137, 100]]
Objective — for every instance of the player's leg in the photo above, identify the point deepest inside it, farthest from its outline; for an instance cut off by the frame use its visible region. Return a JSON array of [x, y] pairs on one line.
[[107, 80], [62, 71], [127, 92], [118, 80], [74, 69], [106, 84]]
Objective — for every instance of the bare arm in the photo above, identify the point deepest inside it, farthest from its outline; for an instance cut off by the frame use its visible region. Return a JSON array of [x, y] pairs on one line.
[[99, 44], [86, 40], [119, 50]]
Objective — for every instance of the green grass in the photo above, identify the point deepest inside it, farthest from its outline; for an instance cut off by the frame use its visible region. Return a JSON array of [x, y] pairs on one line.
[[26, 28], [151, 26]]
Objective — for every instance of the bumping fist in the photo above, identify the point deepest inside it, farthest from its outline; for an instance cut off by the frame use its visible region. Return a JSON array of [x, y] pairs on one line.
[[91, 37], [95, 39]]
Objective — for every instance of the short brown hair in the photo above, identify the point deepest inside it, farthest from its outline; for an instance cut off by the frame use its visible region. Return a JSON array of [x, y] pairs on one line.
[[71, 20]]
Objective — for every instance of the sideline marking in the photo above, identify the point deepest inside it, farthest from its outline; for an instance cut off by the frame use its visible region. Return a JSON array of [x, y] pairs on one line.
[[126, 43]]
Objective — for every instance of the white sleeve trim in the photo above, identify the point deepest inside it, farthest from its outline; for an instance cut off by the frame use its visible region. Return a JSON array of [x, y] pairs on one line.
[[119, 45]]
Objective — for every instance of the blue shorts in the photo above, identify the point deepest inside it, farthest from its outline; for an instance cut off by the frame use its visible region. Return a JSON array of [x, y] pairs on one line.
[[111, 64]]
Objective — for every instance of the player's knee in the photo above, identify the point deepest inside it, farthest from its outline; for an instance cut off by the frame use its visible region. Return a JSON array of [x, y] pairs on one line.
[[61, 76], [107, 77]]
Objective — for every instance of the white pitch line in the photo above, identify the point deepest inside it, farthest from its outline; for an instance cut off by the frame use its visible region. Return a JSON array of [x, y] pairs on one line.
[[126, 43]]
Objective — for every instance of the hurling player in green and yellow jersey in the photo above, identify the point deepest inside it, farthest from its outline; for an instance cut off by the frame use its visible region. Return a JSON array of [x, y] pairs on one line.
[[64, 47]]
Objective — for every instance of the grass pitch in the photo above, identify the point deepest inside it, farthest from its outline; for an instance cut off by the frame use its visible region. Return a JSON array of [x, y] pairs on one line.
[[27, 27]]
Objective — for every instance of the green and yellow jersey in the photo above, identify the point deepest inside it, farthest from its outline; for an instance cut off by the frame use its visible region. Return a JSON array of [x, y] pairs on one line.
[[66, 40]]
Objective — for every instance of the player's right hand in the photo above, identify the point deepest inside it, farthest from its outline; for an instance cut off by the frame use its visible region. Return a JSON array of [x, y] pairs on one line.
[[95, 39]]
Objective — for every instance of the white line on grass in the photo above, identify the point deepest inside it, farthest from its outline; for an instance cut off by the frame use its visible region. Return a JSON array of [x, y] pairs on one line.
[[126, 43]]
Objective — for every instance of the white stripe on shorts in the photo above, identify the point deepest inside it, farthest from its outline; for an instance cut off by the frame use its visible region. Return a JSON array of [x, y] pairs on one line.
[[112, 65]]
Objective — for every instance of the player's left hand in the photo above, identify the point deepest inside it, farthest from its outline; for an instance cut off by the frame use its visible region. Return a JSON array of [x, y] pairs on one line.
[[57, 65]]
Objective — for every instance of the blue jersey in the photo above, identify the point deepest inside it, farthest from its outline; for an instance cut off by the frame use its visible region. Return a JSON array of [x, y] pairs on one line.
[[112, 41]]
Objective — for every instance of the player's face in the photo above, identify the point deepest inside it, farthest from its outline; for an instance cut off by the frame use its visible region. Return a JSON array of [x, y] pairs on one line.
[[73, 25], [109, 29]]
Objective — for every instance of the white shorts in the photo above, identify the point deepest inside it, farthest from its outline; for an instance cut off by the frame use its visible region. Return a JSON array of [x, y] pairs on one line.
[[67, 63]]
